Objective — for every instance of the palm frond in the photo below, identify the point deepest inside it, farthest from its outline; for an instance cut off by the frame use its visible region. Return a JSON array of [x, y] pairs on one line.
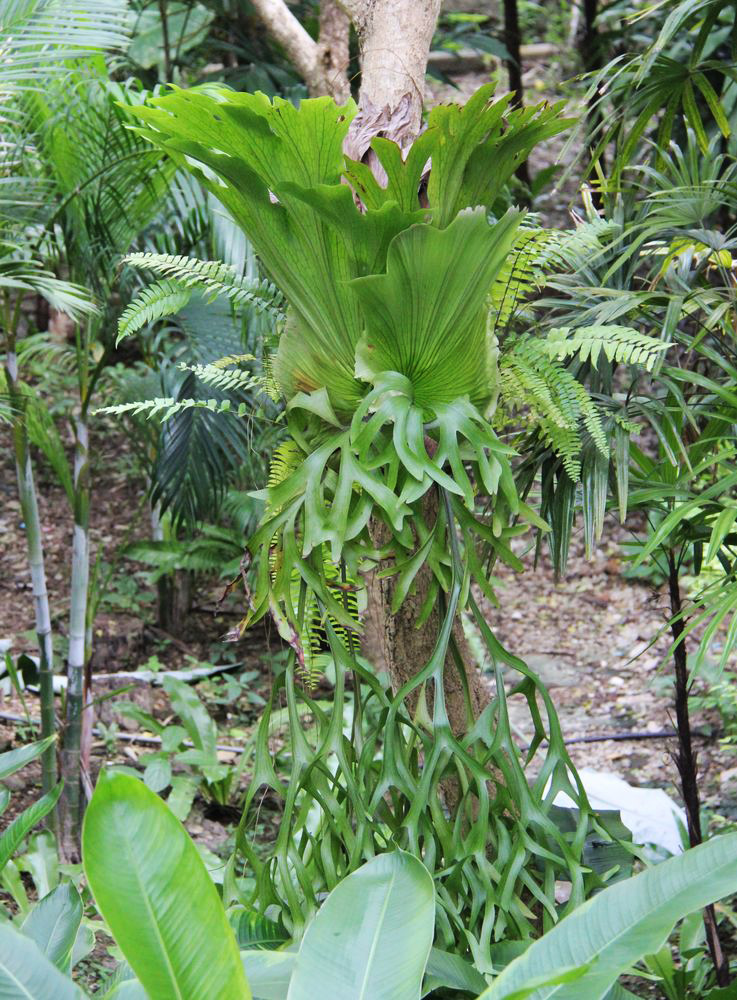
[[41, 37]]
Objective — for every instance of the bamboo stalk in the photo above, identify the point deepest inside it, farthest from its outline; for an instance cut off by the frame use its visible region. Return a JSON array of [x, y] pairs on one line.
[[71, 754], [31, 518]]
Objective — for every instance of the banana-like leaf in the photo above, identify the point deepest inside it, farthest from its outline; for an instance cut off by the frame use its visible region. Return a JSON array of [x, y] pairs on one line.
[[26, 974], [372, 937], [13, 760], [157, 897], [12, 838], [269, 973], [614, 929], [53, 924]]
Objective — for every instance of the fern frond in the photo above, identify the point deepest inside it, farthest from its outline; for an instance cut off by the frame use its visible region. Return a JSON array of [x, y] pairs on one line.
[[165, 407], [212, 277], [619, 343], [220, 376], [556, 401], [521, 274], [154, 302], [284, 462]]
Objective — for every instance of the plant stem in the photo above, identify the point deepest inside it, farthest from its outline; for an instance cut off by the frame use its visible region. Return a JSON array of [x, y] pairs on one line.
[[71, 754], [512, 42], [29, 509], [686, 759]]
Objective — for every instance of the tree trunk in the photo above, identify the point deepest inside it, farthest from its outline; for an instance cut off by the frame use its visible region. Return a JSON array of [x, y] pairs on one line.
[[513, 43], [394, 38]]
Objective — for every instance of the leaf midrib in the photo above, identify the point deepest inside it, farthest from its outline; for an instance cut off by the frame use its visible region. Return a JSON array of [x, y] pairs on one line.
[[608, 944], [144, 896], [372, 951]]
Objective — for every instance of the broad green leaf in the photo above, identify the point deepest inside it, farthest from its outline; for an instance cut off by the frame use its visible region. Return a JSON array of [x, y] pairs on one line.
[[617, 927], [453, 972], [26, 974], [426, 317], [269, 973], [13, 837], [158, 899], [372, 937], [13, 760], [53, 924], [195, 717]]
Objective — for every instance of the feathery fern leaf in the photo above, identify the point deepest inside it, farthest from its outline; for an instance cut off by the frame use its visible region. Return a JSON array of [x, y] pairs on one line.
[[154, 302], [557, 402], [619, 343], [226, 379], [212, 277]]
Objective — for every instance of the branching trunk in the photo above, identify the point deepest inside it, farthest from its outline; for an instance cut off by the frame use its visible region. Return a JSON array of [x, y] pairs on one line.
[[686, 758], [29, 509], [394, 38], [324, 63]]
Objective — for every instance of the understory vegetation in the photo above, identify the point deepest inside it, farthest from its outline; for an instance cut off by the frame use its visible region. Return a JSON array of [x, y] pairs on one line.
[[302, 369]]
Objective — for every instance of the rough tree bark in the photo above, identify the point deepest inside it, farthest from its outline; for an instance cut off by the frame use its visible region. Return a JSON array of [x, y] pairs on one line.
[[394, 39]]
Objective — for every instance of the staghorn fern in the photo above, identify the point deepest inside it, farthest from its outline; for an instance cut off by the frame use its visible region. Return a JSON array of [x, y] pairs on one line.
[[180, 276]]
